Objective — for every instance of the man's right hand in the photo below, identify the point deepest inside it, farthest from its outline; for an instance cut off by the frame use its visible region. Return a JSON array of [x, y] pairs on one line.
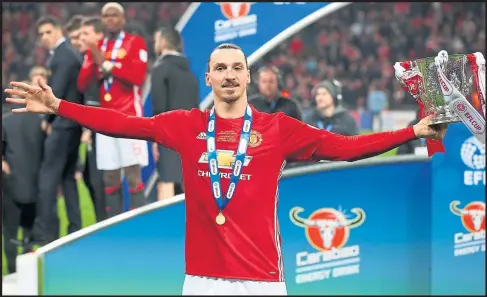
[[37, 99], [5, 167], [46, 127], [86, 137], [155, 152]]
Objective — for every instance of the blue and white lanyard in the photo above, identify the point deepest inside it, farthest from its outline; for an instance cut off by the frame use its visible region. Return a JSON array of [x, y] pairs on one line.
[[322, 126], [116, 47], [239, 159]]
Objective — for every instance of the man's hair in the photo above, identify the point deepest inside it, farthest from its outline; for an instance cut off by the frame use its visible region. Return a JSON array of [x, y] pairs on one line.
[[38, 70], [95, 22], [44, 20], [228, 46], [171, 36], [74, 23]]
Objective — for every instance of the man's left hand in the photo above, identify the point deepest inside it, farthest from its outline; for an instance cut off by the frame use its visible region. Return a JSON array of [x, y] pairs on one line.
[[424, 130]]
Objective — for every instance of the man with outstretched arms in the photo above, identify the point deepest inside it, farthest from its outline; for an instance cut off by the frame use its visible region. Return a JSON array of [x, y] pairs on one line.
[[232, 157]]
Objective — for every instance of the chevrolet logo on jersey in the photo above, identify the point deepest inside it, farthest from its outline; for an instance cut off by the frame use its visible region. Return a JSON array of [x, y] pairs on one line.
[[225, 159]]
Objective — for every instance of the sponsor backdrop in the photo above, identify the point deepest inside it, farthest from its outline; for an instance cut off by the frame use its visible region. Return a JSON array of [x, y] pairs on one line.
[[366, 230], [458, 246]]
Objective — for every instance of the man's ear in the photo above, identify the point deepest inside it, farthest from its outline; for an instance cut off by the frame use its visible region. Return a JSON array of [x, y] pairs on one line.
[[207, 79]]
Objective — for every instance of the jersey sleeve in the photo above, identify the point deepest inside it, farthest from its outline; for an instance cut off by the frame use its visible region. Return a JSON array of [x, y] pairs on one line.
[[87, 72], [301, 142], [165, 128], [133, 67], [169, 128]]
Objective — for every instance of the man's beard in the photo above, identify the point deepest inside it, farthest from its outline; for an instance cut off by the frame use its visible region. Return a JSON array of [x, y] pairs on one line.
[[230, 99]]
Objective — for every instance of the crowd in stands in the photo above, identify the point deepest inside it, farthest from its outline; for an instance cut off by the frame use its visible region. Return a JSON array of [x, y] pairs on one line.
[[358, 44]]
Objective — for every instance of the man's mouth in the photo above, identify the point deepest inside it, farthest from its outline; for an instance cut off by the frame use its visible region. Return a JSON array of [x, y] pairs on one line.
[[230, 86]]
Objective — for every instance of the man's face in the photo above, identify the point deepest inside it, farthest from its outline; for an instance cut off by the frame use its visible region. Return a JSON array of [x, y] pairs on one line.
[[113, 19], [49, 35], [74, 37], [88, 34], [268, 83], [34, 79], [159, 43], [323, 99], [228, 75]]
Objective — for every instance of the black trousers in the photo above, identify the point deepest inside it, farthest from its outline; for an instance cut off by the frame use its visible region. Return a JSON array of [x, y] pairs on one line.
[[15, 215], [94, 182], [61, 151]]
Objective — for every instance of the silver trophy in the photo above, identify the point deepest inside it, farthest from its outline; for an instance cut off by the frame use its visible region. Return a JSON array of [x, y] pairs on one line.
[[449, 87]]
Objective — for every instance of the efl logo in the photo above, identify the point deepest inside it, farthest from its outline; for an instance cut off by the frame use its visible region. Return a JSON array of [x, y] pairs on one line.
[[472, 154], [238, 21], [327, 230], [473, 220]]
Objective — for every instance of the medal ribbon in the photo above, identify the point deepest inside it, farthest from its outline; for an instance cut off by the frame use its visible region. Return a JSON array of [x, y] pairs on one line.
[[116, 47], [321, 125], [239, 159]]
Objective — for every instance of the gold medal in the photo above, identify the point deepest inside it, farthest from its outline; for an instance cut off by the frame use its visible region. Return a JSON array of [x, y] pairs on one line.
[[108, 97], [220, 219]]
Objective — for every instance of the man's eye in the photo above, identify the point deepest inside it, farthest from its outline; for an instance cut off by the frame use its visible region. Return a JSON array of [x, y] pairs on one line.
[[238, 68], [219, 68]]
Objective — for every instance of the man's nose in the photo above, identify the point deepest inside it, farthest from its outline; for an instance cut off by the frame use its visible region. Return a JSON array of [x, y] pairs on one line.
[[230, 74]]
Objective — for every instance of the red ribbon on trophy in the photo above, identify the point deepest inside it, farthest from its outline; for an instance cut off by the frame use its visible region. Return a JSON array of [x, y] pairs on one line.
[[413, 83]]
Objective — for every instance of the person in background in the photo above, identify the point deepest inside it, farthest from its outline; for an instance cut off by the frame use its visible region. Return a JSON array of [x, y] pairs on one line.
[[72, 30], [91, 30], [22, 152], [61, 146], [173, 86], [329, 113], [120, 62], [270, 99]]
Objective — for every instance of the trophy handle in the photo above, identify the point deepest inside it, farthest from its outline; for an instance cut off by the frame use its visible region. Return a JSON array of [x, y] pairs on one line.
[[457, 103]]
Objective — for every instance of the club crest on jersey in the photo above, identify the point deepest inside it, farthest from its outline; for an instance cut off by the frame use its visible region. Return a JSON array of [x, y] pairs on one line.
[[255, 139], [121, 53]]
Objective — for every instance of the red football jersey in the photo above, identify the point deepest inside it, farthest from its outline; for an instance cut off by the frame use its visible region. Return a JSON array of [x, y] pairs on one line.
[[248, 245], [128, 73]]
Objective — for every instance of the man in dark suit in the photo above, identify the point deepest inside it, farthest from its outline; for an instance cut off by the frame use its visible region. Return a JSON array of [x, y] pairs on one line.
[[81, 30], [62, 143], [22, 145], [168, 93]]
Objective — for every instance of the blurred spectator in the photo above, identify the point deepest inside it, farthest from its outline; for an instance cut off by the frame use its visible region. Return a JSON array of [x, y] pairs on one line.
[[120, 60], [90, 30], [330, 113], [22, 149], [167, 93], [270, 98], [61, 146], [72, 30]]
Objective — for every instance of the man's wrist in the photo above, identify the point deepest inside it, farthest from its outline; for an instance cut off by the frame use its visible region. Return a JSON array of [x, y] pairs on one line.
[[54, 106]]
